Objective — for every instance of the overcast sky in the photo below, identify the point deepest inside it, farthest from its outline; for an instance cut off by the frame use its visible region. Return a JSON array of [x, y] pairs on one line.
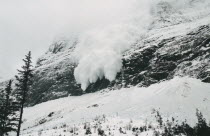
[[33, 25]]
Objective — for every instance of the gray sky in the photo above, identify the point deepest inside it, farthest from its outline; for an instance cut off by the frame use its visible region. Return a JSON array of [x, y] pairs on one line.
[[33, 25]]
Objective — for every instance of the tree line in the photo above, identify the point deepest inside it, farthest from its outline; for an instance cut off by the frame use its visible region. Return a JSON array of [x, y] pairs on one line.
[[12, 101]]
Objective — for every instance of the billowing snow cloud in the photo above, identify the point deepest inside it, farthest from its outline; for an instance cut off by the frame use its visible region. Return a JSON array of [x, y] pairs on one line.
[[99, 51], [100, 48]]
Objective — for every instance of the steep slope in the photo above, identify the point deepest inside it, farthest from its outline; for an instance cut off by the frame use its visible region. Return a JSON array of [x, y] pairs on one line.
[[177, 98], [54, 76], [176, 43]]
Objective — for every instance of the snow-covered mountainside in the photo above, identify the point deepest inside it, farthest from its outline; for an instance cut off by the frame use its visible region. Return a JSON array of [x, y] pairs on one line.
[[176, 43], [117, 77], [177, 98]]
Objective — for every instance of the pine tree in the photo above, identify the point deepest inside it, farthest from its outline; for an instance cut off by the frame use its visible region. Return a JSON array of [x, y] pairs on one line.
[[202, 129], [1, 111], [24, 79], [8, 118]]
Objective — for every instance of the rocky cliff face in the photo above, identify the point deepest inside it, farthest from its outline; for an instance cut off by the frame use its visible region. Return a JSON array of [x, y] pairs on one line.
[[177, 44]]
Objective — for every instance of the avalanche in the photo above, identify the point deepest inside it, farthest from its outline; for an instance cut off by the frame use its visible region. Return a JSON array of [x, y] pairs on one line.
[[99, 50]]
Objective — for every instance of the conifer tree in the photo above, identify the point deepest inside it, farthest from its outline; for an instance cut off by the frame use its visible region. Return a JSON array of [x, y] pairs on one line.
[[23, 83], [8, 110], [1, 111]]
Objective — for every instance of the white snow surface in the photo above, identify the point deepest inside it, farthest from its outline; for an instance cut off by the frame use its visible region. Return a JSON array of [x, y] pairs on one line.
[[177, 98]]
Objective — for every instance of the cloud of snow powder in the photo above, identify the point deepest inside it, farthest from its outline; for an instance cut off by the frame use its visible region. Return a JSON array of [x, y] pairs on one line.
[[99, 51]]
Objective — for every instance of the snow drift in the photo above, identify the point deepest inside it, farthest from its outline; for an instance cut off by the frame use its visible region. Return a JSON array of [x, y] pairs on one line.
[[177, 98]]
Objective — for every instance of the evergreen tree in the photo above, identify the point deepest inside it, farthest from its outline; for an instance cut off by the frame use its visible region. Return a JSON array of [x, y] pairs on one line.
[[1, 111], [8, 110], [202, 129], [23, 83]]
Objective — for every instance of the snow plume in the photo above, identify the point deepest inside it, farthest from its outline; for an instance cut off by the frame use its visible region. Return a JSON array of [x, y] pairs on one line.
[[99, 51], [100, 47]]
